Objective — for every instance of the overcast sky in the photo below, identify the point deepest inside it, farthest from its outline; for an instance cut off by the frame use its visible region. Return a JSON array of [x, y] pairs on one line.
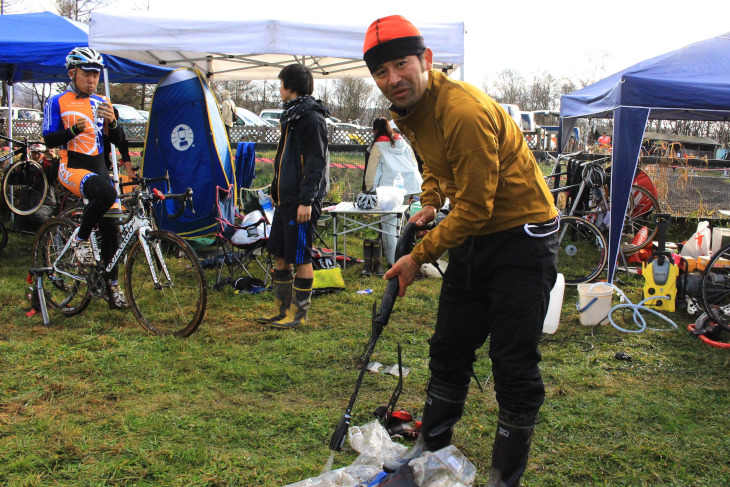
[[566, 38]]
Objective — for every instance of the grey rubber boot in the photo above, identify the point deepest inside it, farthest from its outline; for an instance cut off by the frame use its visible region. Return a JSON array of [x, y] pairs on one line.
[[282, 283], [511, 448], [378, 258], [367, 249], [443, 409], [299, 308]]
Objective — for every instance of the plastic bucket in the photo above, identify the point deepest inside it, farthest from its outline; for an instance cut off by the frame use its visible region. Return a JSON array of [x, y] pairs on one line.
[[594, 302], [552, 318]]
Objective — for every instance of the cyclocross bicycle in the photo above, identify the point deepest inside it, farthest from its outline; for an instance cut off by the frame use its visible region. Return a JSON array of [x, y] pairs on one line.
[[24, 183], [163, 279], [585, 215]]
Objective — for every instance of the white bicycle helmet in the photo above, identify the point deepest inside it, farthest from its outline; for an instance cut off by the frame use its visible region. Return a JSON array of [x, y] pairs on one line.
[[37, 148], [86, 58], [367, 201]]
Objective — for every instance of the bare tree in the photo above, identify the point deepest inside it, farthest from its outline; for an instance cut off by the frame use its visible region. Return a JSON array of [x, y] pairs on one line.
[[594, 67], [351, 98], [510, 87], [10, 6], [79, 10]]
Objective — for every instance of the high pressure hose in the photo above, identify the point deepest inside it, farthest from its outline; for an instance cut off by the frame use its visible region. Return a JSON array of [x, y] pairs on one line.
[[637, 309]]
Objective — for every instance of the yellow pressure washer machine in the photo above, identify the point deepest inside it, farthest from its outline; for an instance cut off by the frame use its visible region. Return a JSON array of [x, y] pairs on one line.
[[661, 273]]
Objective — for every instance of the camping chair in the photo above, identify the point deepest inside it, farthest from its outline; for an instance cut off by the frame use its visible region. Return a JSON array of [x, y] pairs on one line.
[[242, 241]]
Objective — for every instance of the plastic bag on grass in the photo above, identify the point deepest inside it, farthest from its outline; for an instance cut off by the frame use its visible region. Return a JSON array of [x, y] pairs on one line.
[[374, 445], [447, 467]]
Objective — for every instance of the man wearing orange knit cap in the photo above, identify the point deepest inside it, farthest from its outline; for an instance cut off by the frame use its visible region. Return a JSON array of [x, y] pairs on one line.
[[501, 235]]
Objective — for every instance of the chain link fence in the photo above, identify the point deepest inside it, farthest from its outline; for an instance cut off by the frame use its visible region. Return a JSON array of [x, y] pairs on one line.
[[689, 188]]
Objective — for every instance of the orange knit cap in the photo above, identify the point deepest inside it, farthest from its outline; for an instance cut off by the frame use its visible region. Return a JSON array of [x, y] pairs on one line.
[[391, 38]]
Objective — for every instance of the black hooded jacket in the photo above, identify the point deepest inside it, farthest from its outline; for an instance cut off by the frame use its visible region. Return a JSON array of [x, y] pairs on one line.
[[301, 166]]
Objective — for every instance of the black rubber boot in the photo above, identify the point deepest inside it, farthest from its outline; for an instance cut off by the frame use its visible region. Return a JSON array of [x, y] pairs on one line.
[[367, 249], [511, 448], [378, 258], [299, 308], [444, 407], [282, 284]]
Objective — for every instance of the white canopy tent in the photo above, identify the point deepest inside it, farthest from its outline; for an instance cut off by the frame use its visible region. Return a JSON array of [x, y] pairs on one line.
[[229, 49]]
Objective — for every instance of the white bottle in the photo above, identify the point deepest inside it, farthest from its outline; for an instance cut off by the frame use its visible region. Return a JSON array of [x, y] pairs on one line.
[[267, 205], [399, 182]]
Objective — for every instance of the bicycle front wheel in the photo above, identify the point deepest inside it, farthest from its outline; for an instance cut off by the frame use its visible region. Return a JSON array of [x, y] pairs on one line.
[[582, 251], [641, 211], [716, 288], [65, 289], [25, 187], [175, 305]]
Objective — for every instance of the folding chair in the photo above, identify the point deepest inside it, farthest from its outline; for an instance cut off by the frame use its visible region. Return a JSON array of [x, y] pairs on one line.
[[242, 241]]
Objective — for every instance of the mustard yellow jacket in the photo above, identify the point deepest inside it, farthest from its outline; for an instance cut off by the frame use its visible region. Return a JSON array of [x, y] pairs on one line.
[[475, 155]]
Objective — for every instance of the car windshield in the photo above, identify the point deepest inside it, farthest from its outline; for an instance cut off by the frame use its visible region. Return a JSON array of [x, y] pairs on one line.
[[129, 114], [250, 118]]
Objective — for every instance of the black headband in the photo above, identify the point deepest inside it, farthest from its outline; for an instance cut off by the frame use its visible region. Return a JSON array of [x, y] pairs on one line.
[[393, 49]]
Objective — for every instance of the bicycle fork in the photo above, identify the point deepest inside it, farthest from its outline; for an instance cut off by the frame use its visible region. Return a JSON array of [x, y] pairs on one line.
[[150, 260]]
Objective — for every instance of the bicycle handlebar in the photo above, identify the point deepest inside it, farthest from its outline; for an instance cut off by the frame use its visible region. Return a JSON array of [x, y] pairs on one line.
[[183, 198]]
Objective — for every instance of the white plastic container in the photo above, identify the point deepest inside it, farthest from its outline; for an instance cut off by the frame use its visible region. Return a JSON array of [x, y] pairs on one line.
[[399, 182], [267, 205], [720, 238], [594, 302], [552, 318]]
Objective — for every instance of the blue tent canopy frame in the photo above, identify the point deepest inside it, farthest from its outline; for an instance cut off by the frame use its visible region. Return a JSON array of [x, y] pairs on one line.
[[691, 83], [33, 49]]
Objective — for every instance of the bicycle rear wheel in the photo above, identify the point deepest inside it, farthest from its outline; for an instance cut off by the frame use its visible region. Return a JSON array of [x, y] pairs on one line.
[[176, 305], [582, 252], [25, 187], [641, 211], [3, 235], [716, 288], [65, 289]]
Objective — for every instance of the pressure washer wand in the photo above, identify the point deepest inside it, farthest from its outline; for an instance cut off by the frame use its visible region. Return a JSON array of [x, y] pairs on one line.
[[381, 316]]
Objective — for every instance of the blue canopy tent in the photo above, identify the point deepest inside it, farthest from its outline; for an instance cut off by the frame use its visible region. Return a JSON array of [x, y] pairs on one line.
[[691, 83], [33, 49]]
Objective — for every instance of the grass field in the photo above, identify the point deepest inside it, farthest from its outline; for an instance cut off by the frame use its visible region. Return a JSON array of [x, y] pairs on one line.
[[93, 400]]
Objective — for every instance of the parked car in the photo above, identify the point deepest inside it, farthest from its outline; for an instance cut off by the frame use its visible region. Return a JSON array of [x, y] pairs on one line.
[[248, 118], [528, 121], [129, 114], [271, 114], [145, 114], [514, 112], [27, 121], [20, 113]]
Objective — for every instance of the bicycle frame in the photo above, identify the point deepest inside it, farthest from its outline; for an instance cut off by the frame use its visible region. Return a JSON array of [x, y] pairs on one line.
[[22, 150], [137, 224]]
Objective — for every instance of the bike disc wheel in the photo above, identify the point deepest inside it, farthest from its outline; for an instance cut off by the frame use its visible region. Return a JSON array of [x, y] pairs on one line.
[[65, 289], [641, 211], [25, 187], [582, 251], [176, 305], [716, 288]]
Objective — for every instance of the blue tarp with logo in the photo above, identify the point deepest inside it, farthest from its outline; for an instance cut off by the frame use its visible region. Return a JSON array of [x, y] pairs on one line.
[[692, 83], [186, 139], [33, 49]]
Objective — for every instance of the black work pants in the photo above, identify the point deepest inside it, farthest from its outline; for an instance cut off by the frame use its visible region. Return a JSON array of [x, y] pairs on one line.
[[498, 286]]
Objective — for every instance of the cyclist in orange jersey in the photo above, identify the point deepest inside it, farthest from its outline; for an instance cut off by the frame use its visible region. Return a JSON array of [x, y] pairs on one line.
[[76, 121]]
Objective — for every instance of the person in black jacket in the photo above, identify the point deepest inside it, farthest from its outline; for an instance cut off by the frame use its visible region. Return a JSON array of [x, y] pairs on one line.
[[301, 176]]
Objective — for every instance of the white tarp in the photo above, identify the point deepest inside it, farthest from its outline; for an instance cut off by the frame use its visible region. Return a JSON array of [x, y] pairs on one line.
[[227, 49]]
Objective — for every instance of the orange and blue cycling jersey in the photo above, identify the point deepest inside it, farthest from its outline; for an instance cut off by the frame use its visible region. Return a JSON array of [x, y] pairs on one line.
[[81, 154]]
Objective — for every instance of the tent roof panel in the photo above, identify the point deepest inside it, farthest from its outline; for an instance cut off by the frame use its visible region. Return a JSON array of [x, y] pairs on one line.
[[41, 57], [232, 49]]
